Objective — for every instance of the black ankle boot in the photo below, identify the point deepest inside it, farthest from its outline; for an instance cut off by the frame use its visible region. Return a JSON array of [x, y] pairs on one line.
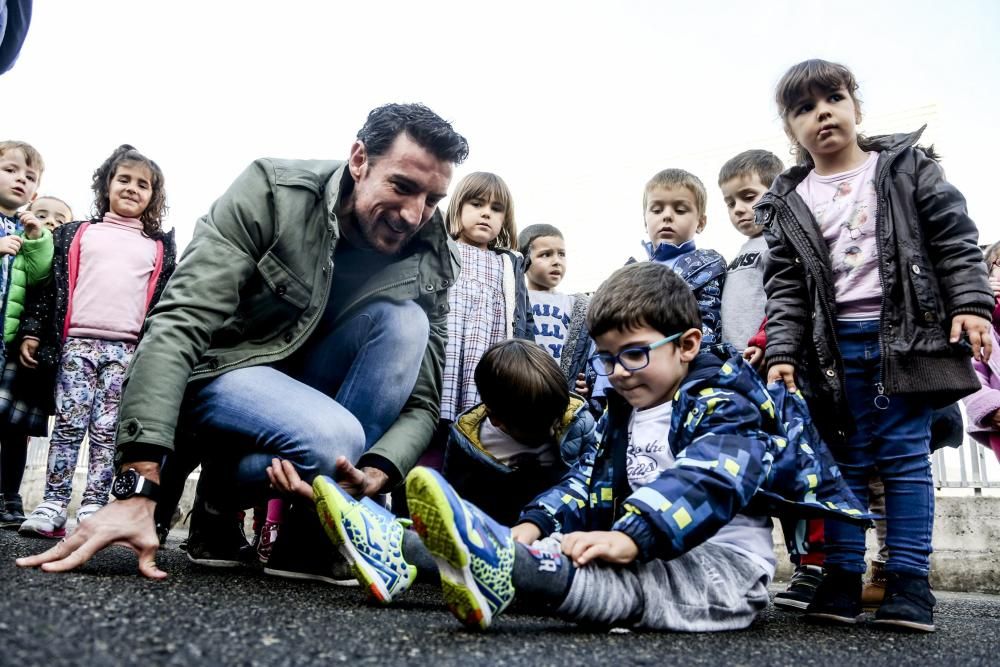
[[837, 599], [217, 539], [908, 604], [11, 512]]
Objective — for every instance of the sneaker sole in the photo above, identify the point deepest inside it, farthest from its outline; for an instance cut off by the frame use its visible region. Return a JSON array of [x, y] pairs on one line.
[[331, 507], [832, 618], [11, 525], [434, 521], [216, 562], [911, 626], [31, 531], [789, 604], [305, 576]]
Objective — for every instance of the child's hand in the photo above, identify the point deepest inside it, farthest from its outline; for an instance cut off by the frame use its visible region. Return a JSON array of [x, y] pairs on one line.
[[526, 533], [32, 228], [978, 329], [754, 355], [995, 284], [29, 346], [607, 545], [785, 373], [581, 385], [10, 245], [285, 478]]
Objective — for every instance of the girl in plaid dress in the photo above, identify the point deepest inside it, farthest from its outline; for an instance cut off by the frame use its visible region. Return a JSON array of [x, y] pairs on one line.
[[489, 301]]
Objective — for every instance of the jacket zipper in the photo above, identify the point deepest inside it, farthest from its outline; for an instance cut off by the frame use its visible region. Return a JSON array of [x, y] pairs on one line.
[[797, 235], [881, 401]]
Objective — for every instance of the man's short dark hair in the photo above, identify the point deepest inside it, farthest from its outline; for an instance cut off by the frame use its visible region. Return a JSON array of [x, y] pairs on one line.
[[425, 127], [765, 165], [532, 232], [522, 386], [643, 294]]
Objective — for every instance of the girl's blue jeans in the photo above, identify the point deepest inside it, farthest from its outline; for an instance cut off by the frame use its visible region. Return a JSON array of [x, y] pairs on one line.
[[334, 397], [894, 443]]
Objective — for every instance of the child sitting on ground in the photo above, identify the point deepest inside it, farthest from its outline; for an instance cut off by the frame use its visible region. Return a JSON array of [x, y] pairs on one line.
[[560, 319], [523, 437], [665, 525]]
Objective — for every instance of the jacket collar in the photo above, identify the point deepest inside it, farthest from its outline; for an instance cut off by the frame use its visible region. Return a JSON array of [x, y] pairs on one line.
[[887, 144]]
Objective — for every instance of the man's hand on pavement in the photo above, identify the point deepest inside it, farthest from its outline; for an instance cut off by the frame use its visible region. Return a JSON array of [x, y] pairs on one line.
[[126, 522]]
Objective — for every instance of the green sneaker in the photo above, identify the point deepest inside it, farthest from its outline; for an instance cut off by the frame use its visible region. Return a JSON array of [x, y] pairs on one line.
[[368, 536], [474, 553]]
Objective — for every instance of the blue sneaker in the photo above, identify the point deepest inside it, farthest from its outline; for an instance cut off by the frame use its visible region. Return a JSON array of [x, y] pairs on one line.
[[474, 553], [368, 536]]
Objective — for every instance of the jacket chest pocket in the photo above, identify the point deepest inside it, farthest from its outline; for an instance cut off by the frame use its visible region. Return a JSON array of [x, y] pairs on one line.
[[283, 282], [272, 302], [929, 309]]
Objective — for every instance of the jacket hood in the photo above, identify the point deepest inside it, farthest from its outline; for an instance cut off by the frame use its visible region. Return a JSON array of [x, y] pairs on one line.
[[468, 423], [891, 143]]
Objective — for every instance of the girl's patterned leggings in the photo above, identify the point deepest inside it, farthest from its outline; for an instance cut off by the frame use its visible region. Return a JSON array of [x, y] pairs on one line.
[[88, 394]]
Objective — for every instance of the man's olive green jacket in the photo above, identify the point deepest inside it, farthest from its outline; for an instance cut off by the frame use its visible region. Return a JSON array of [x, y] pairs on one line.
[[251, 287]]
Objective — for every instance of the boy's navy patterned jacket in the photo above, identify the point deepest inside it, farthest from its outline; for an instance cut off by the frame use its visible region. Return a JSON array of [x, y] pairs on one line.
[[704, 271], [737, 446]]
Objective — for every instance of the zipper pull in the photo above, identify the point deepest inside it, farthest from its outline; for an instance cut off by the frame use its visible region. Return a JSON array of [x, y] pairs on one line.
[[881, 400]]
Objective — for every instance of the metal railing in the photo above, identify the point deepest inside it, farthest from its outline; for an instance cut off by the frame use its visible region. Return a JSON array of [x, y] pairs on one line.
[[970, 466]]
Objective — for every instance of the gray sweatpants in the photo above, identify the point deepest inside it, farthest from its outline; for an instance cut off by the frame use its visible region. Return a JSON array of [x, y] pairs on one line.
[[708, 589]]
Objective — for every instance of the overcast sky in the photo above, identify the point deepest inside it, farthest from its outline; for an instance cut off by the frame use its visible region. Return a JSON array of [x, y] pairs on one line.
[[574, 104]]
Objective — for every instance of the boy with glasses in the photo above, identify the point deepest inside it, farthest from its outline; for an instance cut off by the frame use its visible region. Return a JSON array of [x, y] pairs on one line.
[[665, 526]]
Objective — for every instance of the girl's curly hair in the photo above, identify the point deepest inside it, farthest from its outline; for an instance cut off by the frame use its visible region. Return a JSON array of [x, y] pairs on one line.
[[152, 217]]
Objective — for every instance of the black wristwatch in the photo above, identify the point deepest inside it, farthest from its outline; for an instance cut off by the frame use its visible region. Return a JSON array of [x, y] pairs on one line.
[[131, 483]]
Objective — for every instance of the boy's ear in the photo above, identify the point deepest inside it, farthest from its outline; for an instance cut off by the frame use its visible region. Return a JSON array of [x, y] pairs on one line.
[[689, 344], [702, 221]]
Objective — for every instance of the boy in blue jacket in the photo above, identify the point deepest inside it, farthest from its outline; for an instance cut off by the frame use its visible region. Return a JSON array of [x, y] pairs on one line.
[[665, 525]]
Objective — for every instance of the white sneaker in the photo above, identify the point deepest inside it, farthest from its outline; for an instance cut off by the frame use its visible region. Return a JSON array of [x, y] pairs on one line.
[[47, 520], [86, 511]]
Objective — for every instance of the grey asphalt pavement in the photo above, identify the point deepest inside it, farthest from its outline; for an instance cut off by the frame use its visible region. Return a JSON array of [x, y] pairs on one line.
[[106, 614]]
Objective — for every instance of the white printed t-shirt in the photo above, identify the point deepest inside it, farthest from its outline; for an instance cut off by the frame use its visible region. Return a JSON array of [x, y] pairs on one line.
[[648, 455], [845, 206], [552, 312]]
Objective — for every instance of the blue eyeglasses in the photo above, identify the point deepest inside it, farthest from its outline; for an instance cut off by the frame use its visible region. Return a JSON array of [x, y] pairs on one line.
[[631, 358]]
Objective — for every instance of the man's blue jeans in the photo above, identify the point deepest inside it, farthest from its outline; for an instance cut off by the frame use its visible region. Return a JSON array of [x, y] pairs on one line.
[[894, 443], [334, 397]]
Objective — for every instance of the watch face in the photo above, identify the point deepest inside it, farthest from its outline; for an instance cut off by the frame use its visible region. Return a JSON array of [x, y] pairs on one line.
[[124, 484]]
